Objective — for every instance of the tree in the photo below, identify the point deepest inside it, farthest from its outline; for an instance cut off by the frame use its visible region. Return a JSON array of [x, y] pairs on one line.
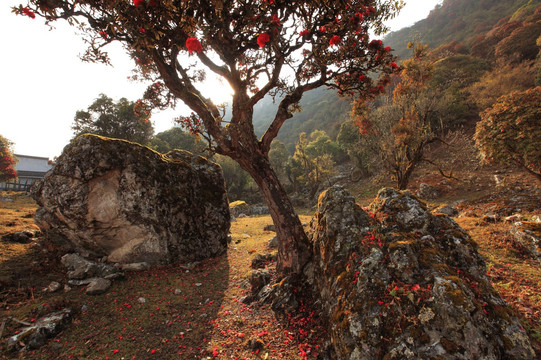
[[312, 163], [122, 120], [176, 138], [260, 48], [401, 128], [510, 131], [7, 161]]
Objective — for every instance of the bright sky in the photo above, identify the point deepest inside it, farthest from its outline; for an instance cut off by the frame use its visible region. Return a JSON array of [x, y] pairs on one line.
[[45, 82]]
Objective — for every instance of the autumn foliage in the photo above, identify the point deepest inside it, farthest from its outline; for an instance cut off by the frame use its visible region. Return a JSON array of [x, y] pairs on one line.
[[7, 161], [510, 131]]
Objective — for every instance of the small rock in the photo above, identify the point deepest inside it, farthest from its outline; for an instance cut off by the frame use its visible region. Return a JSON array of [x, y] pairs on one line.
[[447, 210], [98, 286], [240, 216], [53, 286], [498, 180], [428, 192], [141, 300], [491, 218], [260, 261], [258, 279], [35, 336], [140, 266], [513, 218], [198, 284], [84, 308], [270, 228], [178, 292], [67, 288], [273, 243]]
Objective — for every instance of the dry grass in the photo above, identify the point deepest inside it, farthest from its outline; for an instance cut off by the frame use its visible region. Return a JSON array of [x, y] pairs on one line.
[[207, 319]]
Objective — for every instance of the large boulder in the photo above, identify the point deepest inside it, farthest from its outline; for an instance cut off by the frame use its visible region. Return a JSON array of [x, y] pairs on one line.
[[403, 283], [114, 198]]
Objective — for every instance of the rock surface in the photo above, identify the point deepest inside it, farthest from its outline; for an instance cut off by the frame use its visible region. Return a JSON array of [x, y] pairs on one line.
[[528, 235], [402, 283], [117, 199], [36, 335], [428, 192]]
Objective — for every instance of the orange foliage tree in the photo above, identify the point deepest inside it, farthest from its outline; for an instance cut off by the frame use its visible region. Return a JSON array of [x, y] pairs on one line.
[[510, 131]]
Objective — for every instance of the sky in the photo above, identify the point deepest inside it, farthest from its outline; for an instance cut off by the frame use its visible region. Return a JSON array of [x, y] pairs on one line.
[[44, 82]]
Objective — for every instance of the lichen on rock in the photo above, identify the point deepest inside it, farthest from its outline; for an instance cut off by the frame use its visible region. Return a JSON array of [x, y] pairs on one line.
[[110, 197], [403, 283]]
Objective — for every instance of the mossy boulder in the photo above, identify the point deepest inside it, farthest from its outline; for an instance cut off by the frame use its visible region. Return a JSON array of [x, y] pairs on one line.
[[398, 282], [113, 198]]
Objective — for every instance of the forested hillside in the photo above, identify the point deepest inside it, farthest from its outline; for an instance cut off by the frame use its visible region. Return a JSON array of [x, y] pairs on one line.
[[459, 20]]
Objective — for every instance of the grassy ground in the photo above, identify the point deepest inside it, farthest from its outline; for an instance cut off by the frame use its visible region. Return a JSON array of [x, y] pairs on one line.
[[206, 319]]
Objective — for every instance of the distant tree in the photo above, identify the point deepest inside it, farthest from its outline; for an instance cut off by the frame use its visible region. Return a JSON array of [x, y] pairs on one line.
[[510, 131], [402, 126], [122, 120], [176, 138], [260, 48], [236, 179], [313, 164], [7, 160], [278, 156]]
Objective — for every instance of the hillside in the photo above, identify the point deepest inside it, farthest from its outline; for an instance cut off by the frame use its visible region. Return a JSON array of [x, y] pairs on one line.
[[322, 109], [457, 20]]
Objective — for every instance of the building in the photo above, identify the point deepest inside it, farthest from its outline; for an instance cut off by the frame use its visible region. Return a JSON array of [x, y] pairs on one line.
[[29, 170]]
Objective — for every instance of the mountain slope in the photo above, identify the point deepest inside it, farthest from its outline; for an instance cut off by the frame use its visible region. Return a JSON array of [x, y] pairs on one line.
[[456, 20]]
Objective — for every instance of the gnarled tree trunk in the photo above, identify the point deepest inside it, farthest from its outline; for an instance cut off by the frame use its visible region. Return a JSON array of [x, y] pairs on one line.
[[294, 249]]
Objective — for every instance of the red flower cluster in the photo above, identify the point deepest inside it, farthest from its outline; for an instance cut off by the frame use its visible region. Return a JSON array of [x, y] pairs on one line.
[[335, 40], [263, 39], [304, 32], [29, 13], [192, 44], [138, 3]]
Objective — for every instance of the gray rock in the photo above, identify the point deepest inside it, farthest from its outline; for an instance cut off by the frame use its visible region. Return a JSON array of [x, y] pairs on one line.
[[98, 286], [270, 227], [54, 286], [273, 243], [81, 268], [35, 336], [412, 278], [428, 192], [258, 279], [135, 266], [528, 235], [447, 210], [21, 237], [117, 199], [178, 292], [262, 260]]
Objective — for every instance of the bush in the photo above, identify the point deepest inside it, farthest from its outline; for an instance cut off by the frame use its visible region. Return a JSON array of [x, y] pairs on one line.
[[510, 131]]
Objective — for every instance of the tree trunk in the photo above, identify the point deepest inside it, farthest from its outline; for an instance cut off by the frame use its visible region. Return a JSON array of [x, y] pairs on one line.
[[294, 249]]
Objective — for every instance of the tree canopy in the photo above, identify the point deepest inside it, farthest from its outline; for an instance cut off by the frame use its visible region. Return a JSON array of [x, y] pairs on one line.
[[509, 131], [260, 48], [122, 120]]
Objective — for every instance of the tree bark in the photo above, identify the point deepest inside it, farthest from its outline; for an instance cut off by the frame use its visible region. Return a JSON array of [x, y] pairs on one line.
[[294, 249]]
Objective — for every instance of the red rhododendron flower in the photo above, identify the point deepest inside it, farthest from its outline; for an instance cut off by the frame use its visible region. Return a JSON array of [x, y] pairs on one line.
[[323, 29], [138, 3], [334, 40], [142, 30], [29, 13], [275, 20], [387, 48], [304, 33], [362, 78], [192, 44], [263, 39]]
